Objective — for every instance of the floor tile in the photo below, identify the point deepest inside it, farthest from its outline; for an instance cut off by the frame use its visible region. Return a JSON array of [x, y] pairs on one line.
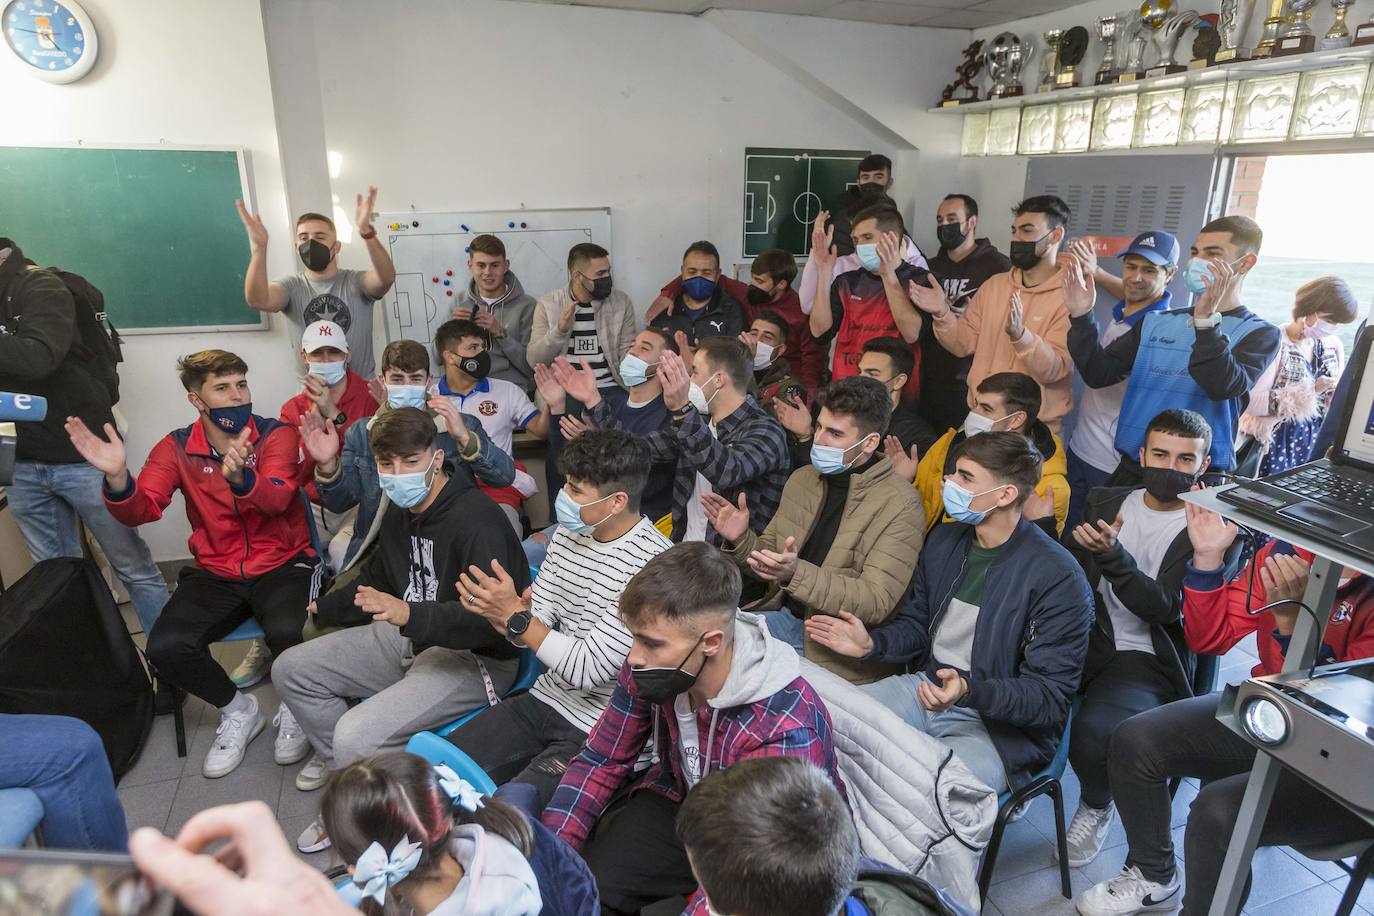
[[1327, 871], [1321, 898], [148, 804], [1036, 893], [1366, 898], [1277, 875], [1024, 850], [292, 827], [159, 761]]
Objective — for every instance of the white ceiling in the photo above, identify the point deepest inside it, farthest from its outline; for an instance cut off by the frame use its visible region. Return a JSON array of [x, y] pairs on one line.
[[946, 14]]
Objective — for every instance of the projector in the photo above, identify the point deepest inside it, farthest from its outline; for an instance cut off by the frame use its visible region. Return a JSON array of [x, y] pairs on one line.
[[1319, 724]]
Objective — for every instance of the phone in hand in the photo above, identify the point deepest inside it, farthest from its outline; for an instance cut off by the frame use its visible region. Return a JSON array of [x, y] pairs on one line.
[[71, 883]]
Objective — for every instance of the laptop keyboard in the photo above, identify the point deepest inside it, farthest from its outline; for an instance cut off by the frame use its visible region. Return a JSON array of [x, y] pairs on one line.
[[1320, 482]]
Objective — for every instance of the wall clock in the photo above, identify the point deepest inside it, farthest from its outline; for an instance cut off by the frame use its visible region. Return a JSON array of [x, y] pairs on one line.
[[53, 40]]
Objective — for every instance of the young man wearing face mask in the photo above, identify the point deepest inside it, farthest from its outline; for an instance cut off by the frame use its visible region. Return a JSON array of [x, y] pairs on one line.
[[721, 439], [499, 305], [845, 537], [1017, 321], [1148, 266], [569, 619], [704, 307], [996, 622], [889, 360], [768, 343], [963, 263], [1133, 545], [249, 538], [871, 300], [349, 478], [1004, 401], [703, 688], [325, 291], [587, 319], [1204, 358], [410, 647]]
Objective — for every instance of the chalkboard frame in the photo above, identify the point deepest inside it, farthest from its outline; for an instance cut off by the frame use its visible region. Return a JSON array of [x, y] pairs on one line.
[[246, 194]]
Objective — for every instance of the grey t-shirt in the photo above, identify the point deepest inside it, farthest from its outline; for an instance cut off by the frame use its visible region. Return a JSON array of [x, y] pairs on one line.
[[341, 299]]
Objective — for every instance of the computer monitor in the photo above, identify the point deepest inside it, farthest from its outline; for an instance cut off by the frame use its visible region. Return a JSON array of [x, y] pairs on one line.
[[1355, 444]]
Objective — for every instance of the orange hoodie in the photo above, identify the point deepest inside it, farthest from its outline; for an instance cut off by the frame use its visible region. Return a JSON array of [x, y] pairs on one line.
[[1042, 352]]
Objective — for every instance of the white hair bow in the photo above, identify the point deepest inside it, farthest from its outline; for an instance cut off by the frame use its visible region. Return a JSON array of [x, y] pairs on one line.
[[376, 871], [463, 793]]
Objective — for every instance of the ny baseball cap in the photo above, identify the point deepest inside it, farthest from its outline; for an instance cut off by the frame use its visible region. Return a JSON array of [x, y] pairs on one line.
[[1156, 247], [323, 334]]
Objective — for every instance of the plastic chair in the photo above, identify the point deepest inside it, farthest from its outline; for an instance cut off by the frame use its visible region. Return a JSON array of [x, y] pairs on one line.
[[21, 811], [1045, 782], [1363, 851], [525, 676], [437, 750]]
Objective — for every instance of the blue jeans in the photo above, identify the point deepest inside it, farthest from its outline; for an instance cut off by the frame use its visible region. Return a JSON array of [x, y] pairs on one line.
[[958, 728], [46, 499], [1082, 478], [63, 762], [785, 626]]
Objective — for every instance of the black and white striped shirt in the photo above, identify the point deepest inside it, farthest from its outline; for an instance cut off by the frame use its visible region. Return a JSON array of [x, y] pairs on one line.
[[584, 344], [577, 594]]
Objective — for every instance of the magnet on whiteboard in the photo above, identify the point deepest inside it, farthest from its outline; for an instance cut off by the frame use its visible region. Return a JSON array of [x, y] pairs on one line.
[[464, 227], [524, 225], [436, 280], [510, 225], [448, 273], [450, 292], [416, 224], [448, 282]]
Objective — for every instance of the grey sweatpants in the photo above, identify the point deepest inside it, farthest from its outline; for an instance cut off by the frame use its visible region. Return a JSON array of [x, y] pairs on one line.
[[405, 693]]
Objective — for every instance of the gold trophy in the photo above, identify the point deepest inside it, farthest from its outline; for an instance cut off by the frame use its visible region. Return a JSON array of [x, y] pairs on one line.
[[1338, 36], [1272, 24], [1298, 37]]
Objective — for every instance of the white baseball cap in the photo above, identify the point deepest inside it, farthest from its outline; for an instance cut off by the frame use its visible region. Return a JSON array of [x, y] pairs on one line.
[[323, 334]]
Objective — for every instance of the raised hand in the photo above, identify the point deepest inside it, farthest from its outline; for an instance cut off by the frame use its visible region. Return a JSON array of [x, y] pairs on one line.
[[362, 218], [1037, 506], [658, 307], [567, 316], [889, 254], [1211, 535], [1080, 289], [929, 296], [491, 596], [321, 394], [376, 386], [1016, 318], [578, 381], [549, 389], [776, 566], [1284, 578], [235, 458], [320, 439], [750, 341], [684, 348], [257, 232], [731, 521], [822, 243], [844, 633], [1217, 286], [571, 427], [382, 606], [486, 320], [794, 417], [903, 464], [105, 455], [937, 699], [1099, 539], [462, 312], [1084, 251], [676, 379], [445, 408]]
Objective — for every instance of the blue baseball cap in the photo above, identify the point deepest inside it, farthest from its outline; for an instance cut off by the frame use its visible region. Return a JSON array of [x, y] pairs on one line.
[[1157, 247]]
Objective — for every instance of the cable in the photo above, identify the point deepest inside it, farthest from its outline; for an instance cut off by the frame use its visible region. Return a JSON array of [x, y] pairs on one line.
[[1316, 622]]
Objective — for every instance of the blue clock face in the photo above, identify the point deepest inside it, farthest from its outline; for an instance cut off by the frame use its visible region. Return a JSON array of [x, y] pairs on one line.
[[44, 34]]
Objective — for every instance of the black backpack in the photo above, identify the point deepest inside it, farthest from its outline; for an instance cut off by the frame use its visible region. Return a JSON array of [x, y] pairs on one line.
[[65, 651], [97, 343]]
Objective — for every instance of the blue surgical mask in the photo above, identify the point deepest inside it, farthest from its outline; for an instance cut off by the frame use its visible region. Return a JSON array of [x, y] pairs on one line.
[[957, 501], [407, 396], [699, 288], [407, 490], [634, 371], [868, 257], [329, 373], [569, 513], [231, 419], [1192, 275], [828, 459]]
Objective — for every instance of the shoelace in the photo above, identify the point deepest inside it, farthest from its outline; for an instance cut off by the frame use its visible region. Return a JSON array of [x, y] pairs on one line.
[[228, 724], [286, 722], [1082, 828], [1126, 884]]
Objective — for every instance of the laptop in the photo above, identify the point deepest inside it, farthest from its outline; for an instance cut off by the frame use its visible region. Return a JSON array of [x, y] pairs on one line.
[[1332, 499]]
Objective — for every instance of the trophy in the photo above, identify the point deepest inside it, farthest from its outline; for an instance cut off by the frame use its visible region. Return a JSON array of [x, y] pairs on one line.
[[1072, 47], [966, 72], [1205, 45], [1235, 17], [1167, 26], [1106, 31], [1364, 33], [1338, 36], [1298, 37], [1273, 22], [1049, 64], [1136, 40], [1005, 56]]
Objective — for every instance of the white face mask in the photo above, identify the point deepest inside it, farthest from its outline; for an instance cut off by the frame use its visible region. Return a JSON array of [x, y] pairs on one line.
[[763, 356], [976, 423], [1319, 329], [329, 373], [696, 396]]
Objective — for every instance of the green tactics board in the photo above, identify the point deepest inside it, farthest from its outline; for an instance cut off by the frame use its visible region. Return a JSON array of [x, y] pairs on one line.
[[784, 189]]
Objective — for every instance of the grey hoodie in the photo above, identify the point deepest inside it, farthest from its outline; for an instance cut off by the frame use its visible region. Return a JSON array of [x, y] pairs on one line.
[[515, 311], [497, 880]]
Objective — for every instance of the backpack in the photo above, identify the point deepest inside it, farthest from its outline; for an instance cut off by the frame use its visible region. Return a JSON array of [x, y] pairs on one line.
[[65, 651], [97, 343]]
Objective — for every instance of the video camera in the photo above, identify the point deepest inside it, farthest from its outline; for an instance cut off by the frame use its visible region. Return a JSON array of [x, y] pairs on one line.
[[16, 408]]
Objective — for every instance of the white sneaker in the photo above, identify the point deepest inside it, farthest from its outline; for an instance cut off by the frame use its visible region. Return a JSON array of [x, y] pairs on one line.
[[232, 737], [313, 838], [1086, 833], [313, 775], [1129, 892], [254, 666], [291, 745]]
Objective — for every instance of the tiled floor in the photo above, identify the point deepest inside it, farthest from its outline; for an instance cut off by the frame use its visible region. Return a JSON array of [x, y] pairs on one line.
[[163, 791]]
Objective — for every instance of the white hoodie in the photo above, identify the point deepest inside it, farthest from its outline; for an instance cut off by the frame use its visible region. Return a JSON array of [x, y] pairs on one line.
[[497, 879]]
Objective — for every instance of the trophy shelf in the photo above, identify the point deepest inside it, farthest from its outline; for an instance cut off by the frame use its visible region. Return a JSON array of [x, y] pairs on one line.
[[1237, 70]]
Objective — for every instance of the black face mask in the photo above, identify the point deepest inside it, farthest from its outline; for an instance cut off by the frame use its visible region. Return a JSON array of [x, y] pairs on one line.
[[1166, 484], [758, 296], [601, 288], [315, 255], [951, 235], [869, 188], [1026, 255], [659, 685], [476, 366]]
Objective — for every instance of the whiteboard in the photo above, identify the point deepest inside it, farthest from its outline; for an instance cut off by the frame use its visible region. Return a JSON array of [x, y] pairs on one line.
[[429, 250]]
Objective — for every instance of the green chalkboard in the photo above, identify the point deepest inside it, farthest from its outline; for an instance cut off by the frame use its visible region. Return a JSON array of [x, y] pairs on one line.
[[785, 188], [154, 229]]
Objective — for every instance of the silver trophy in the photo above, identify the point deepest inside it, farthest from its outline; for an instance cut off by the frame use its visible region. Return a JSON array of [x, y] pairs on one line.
[[1338, 36], [1049, 64], [1005, 56], [1106, 32], [1231, 24], [1297, 38], [1137, 40], [1166, 25]]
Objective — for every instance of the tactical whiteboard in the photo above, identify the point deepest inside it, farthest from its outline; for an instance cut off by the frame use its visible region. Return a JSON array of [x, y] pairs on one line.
[[429, 250], [784, 190]]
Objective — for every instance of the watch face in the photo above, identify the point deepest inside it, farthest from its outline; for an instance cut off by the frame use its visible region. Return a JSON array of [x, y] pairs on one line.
[[51, 38]]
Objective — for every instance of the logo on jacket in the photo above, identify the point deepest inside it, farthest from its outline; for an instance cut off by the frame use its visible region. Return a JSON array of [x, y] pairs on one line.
[[718, 325], [487, 408], [1344, 611]]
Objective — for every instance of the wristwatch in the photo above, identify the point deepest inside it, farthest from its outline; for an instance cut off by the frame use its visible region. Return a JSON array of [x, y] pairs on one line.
[[516, 626], [1209, 322], [368, 235], [340, 419]]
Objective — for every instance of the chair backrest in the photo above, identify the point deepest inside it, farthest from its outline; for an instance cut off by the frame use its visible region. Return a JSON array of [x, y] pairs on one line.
[[1060, 760], [321, 549], [528, 672]]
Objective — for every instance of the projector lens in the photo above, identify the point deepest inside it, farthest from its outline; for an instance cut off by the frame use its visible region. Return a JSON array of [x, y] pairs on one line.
[[1264, 720]]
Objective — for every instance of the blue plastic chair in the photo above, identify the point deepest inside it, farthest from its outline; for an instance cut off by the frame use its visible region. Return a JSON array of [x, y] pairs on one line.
[[525, 676], [1045, 782], [21, 811]]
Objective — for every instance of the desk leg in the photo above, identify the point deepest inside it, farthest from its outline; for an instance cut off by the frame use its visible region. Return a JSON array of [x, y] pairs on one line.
[[1302, 649]]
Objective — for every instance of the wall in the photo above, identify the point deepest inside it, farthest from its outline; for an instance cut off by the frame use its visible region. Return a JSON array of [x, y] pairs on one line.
[[192, 73], [491, 105]]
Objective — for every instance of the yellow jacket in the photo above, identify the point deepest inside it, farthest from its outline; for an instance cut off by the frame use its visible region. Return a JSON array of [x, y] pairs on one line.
[[930, 475]]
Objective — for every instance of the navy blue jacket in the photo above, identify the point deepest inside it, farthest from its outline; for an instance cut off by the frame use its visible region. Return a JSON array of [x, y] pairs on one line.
[[1029, 645]]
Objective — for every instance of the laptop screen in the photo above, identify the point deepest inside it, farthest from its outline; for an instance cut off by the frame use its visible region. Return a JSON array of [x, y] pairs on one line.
[[1359, 437]]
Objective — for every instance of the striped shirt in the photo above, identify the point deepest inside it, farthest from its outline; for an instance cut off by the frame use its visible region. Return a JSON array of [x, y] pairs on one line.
[[584, 344], [577, 595]]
